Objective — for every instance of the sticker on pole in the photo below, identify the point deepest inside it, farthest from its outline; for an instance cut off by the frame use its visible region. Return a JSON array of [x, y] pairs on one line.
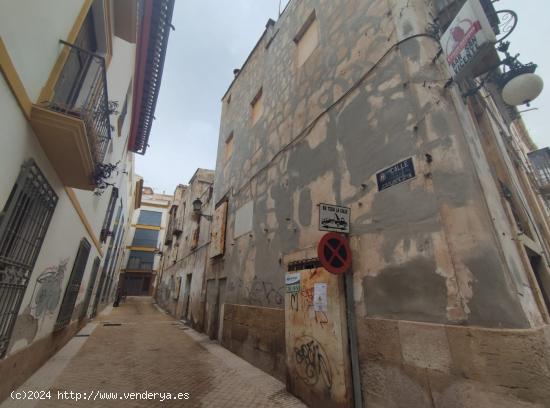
[[334, 253]]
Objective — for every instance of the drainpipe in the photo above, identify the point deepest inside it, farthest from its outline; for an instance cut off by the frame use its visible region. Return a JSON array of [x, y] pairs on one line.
[[352, 338]]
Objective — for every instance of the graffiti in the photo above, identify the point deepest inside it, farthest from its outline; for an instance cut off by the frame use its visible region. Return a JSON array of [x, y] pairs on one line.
[[48, 291], [303, 300], [260, 292], [294, 302], [312, 362], [264, 292], [321, 318]]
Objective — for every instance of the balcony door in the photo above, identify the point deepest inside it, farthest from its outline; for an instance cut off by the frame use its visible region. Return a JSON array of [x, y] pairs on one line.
[[77, 67]]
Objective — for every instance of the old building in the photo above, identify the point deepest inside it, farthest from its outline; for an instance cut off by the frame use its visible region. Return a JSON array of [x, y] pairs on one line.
[[350, 103], [78, 90], [143, 257], [183, 287]]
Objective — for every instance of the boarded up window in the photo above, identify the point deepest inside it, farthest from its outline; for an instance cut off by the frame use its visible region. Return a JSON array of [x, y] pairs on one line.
[[228, 147], [217, 243], [243, 219], [307, 39], [195, 238], [257, 107]]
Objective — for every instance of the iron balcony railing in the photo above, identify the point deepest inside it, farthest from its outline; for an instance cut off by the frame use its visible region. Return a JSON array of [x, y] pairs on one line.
[[81, 91], [540, 161]]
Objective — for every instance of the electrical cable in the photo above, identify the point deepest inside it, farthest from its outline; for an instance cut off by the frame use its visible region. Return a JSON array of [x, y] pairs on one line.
[[304, 132]]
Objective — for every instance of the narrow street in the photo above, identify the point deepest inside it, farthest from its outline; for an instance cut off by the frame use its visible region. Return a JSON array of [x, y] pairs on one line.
[[136, 348]]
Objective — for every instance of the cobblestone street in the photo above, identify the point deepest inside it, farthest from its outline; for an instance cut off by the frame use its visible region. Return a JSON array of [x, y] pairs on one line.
[[137, 348]]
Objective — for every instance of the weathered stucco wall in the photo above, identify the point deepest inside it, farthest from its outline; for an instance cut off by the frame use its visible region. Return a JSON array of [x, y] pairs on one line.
[[410, 364], [258, 335], [182, 290], [438, 248]]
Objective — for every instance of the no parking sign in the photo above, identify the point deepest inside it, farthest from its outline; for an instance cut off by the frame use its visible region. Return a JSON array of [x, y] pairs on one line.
[[334, 253]]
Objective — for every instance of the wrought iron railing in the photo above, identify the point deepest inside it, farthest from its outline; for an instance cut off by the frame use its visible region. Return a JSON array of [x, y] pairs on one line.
[[81, 91], [540, 161]]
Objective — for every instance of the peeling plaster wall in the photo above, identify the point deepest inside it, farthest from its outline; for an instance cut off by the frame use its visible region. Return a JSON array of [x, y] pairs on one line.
[[438, 248]]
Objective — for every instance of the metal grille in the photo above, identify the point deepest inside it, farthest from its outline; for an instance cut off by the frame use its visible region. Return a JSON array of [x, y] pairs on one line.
[[109, 215], [109, 257], [116, 253], [540, 159], [82, 92], [71, 293], [23, 225], [89, 289]]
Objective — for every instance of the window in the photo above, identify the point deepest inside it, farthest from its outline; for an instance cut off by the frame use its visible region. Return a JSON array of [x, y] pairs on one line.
[[145, 238], [257, 105], [307, 39], [73, 286], [228, 147], [217, 242], [110, 255], [243, 219], [105, 232], [124, 111], [24, 222], [141, 260], [152, 218]]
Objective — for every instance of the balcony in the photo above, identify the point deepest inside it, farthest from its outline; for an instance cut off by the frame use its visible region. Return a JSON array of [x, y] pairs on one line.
[[540, 161], [73, 127]]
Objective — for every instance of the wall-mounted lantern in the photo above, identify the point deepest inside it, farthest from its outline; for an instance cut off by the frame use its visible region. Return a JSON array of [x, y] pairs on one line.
[[197, 210], [518, 82], [520, 85]]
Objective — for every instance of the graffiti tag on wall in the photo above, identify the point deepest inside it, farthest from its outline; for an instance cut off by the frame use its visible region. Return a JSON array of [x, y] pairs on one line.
[[303, 300], [260, 292], [48, 291], [312, 364]]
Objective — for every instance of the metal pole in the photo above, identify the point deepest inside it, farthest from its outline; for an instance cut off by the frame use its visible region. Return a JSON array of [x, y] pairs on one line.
[[352, 338]]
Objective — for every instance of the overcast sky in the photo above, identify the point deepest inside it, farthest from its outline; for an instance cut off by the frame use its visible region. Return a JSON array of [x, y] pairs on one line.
[[213, 37]]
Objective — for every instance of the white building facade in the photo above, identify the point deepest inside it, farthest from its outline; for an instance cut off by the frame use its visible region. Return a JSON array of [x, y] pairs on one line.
[[77, 93]]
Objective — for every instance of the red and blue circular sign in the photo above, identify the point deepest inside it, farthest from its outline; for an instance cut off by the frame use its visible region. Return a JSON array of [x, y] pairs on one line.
[[334, 253]]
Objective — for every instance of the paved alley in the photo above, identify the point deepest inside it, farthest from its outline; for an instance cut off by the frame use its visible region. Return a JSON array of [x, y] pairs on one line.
[[138, 349]]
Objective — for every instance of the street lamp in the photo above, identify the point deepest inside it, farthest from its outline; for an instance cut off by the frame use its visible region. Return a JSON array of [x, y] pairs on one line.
[[197, 209], [519, 84]]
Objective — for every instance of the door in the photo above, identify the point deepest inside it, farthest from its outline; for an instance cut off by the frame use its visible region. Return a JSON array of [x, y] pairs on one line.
[[137, 284], [186, 292], [318, 363], [221, 303]]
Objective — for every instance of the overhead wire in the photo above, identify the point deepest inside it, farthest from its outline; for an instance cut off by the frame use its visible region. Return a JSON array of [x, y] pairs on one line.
[[304, 132]]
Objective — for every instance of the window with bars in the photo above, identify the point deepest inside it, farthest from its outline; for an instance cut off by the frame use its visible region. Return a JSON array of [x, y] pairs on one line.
[[24, 221], [105, 232], [73, 286], [90, 289], [109, 255]]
